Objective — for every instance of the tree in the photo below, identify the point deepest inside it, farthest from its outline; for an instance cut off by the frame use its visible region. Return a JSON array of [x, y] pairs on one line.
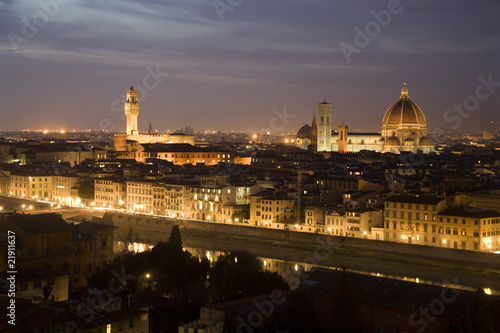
[[86, 189], [481, 317], [175, 240], [242, 215], [239, 274], [344, 311]]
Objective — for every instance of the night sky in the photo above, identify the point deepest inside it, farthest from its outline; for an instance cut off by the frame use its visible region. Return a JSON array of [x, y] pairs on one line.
[[231, 62]]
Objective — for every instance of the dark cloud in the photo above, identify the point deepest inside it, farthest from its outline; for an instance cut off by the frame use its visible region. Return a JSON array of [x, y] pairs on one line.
[[230, 74]]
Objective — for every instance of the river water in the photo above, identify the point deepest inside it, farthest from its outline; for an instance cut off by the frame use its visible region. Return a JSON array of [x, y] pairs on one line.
[[285, 261]]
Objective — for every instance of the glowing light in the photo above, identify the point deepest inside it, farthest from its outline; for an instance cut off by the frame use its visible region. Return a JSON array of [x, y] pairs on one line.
[[45, 132], [63, 131], [487, 291], [296, 267], [444, 241], [417, 280], [255, 136], [147, 276]]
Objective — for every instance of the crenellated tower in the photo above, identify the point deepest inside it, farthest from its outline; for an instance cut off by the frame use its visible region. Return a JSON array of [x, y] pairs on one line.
[[131, 108]]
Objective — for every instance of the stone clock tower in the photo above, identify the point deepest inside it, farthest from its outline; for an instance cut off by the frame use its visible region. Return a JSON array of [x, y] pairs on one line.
[[131, 107]]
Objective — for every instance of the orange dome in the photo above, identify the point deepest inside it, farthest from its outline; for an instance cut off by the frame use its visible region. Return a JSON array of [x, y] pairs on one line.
[[404, 112]]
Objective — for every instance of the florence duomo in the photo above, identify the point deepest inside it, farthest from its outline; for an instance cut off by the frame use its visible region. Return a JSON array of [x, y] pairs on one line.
[[404, 129]]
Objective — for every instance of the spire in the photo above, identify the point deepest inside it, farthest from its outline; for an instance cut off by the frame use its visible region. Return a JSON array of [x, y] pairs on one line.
[[324, 96], [314, 122], [131, 85], [150, 131], [404, 92]]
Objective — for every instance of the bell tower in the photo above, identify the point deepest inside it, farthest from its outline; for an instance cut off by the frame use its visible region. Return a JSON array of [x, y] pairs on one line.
[[131, 108], [324, 126]]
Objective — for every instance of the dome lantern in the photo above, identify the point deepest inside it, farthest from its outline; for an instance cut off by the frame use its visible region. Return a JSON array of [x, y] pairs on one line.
[[404, 92]]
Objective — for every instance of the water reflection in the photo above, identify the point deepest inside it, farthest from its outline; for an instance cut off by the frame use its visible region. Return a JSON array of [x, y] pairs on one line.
[[284, 267]]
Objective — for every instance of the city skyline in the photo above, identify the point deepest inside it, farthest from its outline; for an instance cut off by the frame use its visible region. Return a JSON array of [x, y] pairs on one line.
[[230, 67]]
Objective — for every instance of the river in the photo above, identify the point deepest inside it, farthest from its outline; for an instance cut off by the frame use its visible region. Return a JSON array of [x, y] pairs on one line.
[[285, 260]]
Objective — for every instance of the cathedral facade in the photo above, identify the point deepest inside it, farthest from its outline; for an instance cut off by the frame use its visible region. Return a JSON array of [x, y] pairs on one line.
[[404, 129], [130, 141]]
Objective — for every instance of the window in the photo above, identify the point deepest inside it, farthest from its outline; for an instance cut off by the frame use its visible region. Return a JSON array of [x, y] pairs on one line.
[[50, 282], [23, 287], [37, 284]]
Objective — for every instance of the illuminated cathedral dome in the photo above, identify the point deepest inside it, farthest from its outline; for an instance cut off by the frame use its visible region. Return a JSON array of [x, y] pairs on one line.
[[404, 126], [404, 112]]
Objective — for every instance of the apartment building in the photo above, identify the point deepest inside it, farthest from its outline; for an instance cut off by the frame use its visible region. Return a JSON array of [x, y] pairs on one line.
[[472, 229], [46, 240], [110, 192], [335, 222], [140, 196], [31, 185], [178, 197], [63, 188], [272, 210], [364, 223], [412, 219]]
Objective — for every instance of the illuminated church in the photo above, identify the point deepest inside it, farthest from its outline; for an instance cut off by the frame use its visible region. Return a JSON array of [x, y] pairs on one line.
[[404, 129], [130, 141]]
